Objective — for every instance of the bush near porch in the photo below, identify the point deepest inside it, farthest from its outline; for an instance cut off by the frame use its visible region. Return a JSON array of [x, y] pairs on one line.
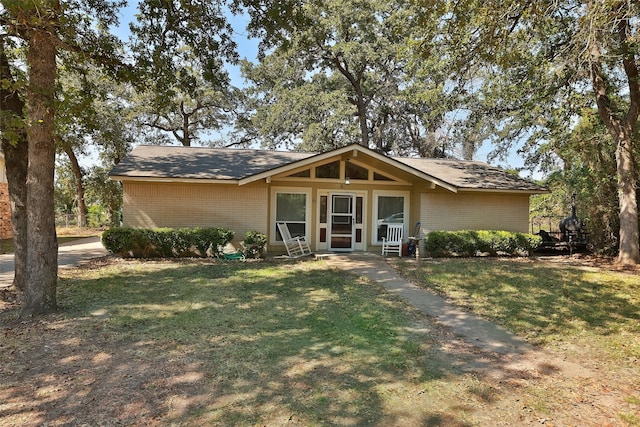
[[166, 242], [479, 242]]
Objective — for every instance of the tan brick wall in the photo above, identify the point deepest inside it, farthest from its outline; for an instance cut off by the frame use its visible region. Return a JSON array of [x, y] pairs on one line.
[[5, 212], [241, 209], [474, 211]]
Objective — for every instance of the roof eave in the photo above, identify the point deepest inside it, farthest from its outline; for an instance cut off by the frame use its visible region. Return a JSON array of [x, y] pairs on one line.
[[170, 179], [504, 190]]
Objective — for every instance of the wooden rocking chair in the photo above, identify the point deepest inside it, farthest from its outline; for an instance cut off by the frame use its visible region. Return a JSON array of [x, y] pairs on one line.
[[296, 246], [392, 243]]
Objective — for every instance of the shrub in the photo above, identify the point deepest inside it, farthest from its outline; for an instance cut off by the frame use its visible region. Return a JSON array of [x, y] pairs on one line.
[[472, 243], [254, 244], [208, 241], [118, 241], [165, 242]]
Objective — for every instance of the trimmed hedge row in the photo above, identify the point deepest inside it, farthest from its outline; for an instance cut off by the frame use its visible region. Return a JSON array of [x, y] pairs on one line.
[[472, 243], [166, 242]]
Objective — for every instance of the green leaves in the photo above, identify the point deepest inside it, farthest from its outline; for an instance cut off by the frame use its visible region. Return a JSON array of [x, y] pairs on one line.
[[340, 73]]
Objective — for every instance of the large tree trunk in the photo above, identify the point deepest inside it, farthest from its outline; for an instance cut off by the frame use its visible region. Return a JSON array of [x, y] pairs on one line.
[[621, 130], [42, 253], [77, 173], [359, 101], [629, 252], [14, 147]]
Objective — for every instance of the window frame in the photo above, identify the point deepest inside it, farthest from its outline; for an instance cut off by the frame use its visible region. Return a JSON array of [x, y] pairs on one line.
[[274, 209], [374, 215]]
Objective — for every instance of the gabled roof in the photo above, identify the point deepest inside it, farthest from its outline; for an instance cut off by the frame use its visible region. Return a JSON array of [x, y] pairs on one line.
[[240, 166], [160, 161]]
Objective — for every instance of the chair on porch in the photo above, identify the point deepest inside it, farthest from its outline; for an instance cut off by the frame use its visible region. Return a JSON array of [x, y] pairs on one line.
[[392, 243], [296, 246]]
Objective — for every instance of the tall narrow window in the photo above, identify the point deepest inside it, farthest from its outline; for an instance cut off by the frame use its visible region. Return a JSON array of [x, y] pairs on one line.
[[292, 209]]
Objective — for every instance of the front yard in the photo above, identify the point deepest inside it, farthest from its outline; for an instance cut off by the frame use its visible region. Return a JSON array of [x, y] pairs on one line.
[[258, 343]]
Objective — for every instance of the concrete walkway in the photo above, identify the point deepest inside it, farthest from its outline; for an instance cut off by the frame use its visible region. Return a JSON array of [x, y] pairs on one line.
[[70, 254], [470, 328]]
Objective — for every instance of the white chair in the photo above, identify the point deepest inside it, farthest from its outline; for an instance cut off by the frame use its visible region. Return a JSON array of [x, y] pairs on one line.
[[296, 246], [392, 243]]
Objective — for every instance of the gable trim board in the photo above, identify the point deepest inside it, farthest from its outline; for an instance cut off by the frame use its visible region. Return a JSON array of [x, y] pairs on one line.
[[251, 189]]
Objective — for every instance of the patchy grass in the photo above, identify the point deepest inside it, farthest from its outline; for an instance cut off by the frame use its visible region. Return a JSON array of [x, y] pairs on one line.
[[77, 232], [222, 344], [6, 246], [258, 343], [574, 309], [589, 314], [64, 235]]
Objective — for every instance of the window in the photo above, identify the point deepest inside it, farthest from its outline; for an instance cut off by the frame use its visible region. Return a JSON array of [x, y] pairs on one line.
[[330, 170], [292, 209], [353, 171], [323, 209], [379, 177], [302, 174], [389, 209]]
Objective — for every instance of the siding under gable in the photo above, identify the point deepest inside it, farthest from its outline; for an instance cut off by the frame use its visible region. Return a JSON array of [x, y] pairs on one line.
[[474, 211], [151, 205]]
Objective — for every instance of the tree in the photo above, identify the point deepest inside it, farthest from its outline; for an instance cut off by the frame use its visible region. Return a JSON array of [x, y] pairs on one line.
[[105, 192], [181, 49], [339, 72], [589, 157], [530, 68], [185, 114], [75, 122], [76, 32], [297, 111], [42, 27], [34, 24], [65, 188], [15, 149]]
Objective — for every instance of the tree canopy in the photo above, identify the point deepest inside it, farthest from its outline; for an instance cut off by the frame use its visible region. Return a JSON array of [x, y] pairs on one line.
[[530, 69], [341, 72]]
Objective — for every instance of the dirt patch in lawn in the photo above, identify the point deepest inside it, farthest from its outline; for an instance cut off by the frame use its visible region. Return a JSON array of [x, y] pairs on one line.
[[71, 371]]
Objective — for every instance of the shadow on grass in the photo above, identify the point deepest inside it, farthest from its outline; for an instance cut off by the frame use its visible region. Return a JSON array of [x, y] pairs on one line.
[[223, 344], [539, 301]]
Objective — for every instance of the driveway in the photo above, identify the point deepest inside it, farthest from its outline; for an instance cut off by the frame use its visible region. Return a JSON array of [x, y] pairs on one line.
[[70, 254]]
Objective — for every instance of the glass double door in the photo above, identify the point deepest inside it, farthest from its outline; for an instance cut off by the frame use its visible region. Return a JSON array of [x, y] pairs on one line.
[[342, 222]]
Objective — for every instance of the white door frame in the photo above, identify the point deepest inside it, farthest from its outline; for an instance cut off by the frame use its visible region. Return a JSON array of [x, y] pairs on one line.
[[338, 222]]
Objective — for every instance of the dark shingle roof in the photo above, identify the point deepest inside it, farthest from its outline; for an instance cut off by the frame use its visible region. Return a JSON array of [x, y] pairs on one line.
[[470, 174], [177, 162], [154, 161]]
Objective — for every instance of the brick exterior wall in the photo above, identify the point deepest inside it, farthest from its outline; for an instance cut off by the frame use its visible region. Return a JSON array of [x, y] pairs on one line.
[[241, 209], [474, 211], [5, 212]]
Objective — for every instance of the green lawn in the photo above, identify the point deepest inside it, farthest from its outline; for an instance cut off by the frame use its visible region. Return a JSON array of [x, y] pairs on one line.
[[261, 343], [233, 344], [570, 308]]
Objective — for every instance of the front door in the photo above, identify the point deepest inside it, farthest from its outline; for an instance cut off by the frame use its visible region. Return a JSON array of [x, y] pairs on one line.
[[342, 222]]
